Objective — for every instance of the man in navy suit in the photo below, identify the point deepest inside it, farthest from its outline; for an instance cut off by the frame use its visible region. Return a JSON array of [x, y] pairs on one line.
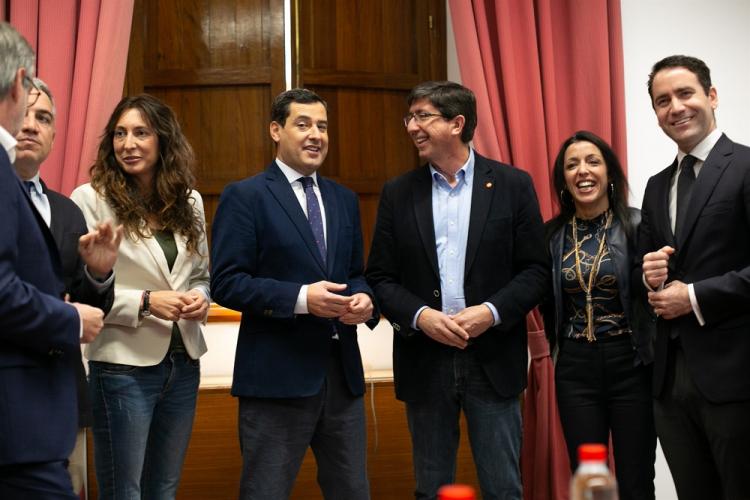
[[87, 273], [457, 261], [287, 253], [695, 241], [40, 334]]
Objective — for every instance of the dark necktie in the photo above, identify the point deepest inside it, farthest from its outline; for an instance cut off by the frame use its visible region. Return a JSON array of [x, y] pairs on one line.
[[684, 190], [313, 215], [29, 186]]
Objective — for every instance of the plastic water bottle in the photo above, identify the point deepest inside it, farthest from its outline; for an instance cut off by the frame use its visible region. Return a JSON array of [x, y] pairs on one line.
[[593, 480], [456, 492]]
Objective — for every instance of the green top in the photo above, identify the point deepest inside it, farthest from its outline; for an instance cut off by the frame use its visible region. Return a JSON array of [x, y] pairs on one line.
[[168, 245]]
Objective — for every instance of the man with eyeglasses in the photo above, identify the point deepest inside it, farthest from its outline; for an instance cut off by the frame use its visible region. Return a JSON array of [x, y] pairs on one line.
[[87, 274], [457, 260], [40, 334]]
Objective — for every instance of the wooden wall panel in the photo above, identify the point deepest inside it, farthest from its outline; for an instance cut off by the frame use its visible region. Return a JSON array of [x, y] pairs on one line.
[[228, 129], [218, 63], [363, 58], [213, 463]]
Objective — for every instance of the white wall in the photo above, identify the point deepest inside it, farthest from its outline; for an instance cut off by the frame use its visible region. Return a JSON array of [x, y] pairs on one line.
[[715, 31]]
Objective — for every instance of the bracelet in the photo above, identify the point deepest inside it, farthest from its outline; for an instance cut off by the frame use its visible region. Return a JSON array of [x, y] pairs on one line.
[[145, 303]]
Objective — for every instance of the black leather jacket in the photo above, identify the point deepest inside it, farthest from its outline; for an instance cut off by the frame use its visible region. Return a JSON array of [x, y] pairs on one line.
[[622, 249]]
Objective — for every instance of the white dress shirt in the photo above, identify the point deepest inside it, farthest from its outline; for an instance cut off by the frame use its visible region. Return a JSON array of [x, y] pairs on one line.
[[300, 307]]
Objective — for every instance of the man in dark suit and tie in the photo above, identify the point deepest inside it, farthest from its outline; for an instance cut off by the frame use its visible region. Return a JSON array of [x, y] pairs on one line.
[[90, 281], [457, 261], [40, 334], [287, 253], [695, 242]]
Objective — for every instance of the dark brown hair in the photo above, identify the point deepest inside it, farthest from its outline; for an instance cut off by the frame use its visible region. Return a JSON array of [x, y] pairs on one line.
[[169, 199]]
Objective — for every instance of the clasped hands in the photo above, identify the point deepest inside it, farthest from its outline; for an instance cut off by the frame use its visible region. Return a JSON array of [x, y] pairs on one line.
[[323, 300], [673, 300], [456, 329], [172, 305]]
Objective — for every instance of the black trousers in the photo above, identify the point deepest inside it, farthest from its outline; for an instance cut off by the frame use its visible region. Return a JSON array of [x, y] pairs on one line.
[[707, 445], [600, 391]]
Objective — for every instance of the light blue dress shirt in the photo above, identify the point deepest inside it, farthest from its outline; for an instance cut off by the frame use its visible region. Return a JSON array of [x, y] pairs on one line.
[[451, 213]]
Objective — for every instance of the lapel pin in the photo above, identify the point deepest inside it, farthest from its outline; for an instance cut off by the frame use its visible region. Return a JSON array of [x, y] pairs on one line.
[[488, 185]]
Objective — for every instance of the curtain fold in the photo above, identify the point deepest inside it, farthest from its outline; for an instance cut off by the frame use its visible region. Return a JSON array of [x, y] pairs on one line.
[[541, 70], [82, 49]]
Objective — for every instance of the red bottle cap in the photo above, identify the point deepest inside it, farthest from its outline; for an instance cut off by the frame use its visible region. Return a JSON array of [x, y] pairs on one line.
[[456, 492], [592, 451]]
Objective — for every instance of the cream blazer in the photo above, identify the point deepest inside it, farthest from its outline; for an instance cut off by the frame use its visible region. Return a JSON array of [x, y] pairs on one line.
[[127, 338]]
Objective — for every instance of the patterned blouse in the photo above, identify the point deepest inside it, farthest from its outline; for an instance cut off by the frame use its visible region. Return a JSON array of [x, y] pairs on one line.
[[609, 316]]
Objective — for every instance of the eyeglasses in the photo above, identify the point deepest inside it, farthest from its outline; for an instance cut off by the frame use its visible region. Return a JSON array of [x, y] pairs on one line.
[[34, 91], [419, 116]]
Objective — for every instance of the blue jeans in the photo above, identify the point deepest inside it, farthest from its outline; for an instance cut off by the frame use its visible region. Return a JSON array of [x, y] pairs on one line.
[[493, 422], [143, 417]]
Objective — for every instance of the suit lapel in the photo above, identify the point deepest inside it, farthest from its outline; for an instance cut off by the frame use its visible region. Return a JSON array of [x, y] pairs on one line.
[[663, 184], [43, 227], [56, 222], [482, 192], [705, 183], [281, 190], [422, 197], [330, 202]]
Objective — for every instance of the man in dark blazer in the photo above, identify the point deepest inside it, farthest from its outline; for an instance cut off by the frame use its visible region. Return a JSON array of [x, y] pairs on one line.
[[457, 261], [287, 253], [695, 242], [40, 334], [92, 283]]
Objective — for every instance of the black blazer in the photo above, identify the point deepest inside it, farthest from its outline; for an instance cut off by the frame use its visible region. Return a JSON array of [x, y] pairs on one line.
[[67, 226], [713, 254], [622, 250], [506, 265]]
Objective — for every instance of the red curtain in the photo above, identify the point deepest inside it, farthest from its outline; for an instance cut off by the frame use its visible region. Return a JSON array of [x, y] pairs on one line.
[[82, 48], [542, 69]]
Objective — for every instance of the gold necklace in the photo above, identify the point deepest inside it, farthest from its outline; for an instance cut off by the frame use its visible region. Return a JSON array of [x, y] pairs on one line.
[[592, 275]]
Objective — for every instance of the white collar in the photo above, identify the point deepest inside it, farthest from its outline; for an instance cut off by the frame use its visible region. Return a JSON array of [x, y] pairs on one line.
[[292, 175]]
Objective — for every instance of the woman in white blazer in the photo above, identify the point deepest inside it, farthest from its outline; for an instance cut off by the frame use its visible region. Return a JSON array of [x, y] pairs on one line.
[[144, 366]]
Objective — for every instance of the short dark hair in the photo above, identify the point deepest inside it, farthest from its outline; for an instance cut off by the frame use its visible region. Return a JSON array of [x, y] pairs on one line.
[[280, 107], [618, 194], [692, 64], [451, 99]]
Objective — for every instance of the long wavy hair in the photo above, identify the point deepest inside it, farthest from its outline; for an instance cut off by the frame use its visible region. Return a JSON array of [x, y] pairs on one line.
[[617, 191], [168, 202]]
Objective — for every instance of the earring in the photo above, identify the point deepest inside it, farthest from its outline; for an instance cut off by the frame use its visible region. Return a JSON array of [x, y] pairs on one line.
[[611, 189]]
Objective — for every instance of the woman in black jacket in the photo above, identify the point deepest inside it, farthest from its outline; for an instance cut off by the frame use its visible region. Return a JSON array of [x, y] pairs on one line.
[[601, 332]]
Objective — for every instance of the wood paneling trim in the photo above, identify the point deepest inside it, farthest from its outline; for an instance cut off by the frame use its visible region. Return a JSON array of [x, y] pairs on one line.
[[217, 314], [359, 79], [257, 75]]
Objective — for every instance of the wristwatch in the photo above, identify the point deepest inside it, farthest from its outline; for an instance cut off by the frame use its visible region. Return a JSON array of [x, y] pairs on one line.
[[145, 303]]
